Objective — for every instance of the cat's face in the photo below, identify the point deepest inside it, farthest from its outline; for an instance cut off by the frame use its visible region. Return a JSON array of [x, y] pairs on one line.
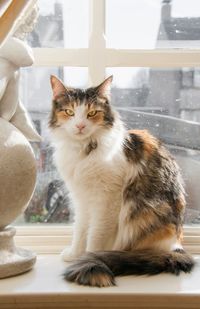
[[81, 112]]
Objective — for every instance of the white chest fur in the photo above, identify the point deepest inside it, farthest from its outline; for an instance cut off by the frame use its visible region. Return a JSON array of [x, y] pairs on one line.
[[95, 181], [104, 166], [100, 169]]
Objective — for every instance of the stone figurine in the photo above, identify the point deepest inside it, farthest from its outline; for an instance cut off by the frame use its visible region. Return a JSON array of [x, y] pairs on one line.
[[17, 161]]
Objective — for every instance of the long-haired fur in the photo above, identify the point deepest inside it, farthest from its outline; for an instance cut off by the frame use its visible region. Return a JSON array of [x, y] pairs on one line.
[[125, 186]]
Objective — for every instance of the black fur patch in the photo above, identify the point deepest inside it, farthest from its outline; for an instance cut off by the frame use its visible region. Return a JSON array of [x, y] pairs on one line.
[[133, 148], [90, 147]]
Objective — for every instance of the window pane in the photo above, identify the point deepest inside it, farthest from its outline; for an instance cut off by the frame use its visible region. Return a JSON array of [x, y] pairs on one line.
[[142, 24], [166, 102], [50, 202], [61, 23]]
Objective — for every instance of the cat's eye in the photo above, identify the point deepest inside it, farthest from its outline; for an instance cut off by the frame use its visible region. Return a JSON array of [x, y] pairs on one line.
[[92, 113], [69, 112]]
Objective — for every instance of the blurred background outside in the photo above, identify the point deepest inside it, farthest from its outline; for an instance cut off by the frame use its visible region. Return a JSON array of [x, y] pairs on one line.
[[151, 96]]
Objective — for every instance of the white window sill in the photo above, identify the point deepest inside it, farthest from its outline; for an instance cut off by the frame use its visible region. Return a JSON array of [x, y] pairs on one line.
[[50, 239], [43, 287]]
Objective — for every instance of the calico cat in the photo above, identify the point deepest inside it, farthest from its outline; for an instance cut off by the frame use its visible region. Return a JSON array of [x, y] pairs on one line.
[[125, 186]]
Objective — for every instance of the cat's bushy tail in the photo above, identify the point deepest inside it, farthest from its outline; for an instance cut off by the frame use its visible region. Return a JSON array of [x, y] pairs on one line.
[[100, 268]]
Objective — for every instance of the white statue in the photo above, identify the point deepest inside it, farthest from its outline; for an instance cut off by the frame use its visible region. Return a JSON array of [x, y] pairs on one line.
[[17, 162]]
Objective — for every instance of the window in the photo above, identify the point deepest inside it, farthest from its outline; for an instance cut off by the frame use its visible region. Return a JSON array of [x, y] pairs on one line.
[[151, 48], [152, 24], [61, 24], [166, 102]]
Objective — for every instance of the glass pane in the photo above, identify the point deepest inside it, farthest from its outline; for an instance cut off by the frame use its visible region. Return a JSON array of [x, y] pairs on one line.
[[152, 24], [167, 103], [61, 23], [50, 202]]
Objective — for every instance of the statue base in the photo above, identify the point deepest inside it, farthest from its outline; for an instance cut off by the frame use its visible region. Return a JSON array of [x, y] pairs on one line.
[[13, 260]]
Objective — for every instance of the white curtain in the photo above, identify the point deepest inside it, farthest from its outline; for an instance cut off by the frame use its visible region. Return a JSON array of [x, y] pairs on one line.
[[12, 13]]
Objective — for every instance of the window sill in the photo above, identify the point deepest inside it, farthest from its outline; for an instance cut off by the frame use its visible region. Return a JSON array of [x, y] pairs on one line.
[[43, 287], [52, 239]]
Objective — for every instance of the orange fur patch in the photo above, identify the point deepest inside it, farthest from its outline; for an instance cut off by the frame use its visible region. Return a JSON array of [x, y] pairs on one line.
[[156, 237], [138, 226], [100, 280], [180, 235], [147, 218], [62, 117], [98, 118], [180, 205], [150, 142]]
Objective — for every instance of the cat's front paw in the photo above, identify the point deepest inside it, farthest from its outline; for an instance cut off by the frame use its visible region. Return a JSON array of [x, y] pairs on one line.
[[68, 255]]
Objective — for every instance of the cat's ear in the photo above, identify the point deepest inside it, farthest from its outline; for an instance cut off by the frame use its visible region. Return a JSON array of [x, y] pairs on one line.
[[104, 88], [57, 86]]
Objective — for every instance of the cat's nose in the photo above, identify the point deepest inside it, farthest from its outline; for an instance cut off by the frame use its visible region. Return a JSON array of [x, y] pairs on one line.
[[80, 126]]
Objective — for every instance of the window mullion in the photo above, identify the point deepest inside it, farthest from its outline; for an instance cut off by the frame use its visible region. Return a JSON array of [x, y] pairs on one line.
[[163, 58], [61, 57], [97, 44], [97, 57]]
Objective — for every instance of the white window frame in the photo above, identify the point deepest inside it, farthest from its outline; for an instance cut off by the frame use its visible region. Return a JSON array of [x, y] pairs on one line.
[[52, 239]]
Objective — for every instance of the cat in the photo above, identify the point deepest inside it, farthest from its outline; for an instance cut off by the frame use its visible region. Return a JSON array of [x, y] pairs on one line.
[[125, 186]]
